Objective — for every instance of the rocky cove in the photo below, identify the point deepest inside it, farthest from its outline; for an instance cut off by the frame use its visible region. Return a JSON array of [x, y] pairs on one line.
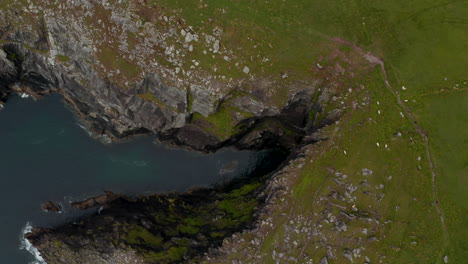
[[47, 156], [60, 54]]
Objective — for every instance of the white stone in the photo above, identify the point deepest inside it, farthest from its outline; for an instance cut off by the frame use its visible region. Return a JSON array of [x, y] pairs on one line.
[[246, 70], [188, 37], [216, 46]]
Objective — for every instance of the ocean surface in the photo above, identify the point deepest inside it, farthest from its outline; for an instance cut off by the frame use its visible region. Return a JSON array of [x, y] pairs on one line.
[[46, 155]]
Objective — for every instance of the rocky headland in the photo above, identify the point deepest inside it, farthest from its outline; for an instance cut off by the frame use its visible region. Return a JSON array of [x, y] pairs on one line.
[[135, 68]]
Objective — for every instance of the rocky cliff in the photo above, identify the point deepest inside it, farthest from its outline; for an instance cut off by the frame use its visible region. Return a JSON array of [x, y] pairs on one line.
[[134, 67], [127, 68]]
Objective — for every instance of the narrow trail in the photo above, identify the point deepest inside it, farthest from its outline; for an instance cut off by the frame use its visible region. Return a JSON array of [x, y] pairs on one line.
[[377, 61]]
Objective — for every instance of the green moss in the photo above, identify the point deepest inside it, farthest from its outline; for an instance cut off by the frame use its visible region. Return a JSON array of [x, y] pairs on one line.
[[238, 209], [222, 123], [57, 243], [244, 190], [189, 100], [217, 234], [62, 58], [187, 229], [11, 56], [138, 235], [173, 254], [44, 52]]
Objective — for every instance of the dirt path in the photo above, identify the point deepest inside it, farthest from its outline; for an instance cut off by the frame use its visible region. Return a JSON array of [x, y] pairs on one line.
[[377, 61]]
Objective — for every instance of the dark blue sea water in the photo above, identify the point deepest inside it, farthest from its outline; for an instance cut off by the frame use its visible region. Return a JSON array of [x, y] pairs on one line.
[[45, 155]]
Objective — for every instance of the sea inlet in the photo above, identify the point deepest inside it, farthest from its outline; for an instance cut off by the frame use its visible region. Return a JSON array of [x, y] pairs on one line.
[[45, 154]]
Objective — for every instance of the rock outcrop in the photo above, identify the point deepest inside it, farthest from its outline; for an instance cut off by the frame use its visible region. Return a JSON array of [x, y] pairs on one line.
[[100, 200], [51, 207]]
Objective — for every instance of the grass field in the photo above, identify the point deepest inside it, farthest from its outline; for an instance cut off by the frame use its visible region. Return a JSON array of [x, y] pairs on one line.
[[445, 118]]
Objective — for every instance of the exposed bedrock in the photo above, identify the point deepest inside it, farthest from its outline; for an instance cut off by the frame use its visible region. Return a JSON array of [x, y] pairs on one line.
[[116, 113]]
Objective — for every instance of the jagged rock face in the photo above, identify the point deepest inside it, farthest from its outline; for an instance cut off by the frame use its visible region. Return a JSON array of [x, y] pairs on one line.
[[7, 72], [124, 76]]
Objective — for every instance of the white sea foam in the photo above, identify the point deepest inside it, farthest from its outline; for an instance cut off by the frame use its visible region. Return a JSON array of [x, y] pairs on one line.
[[26, 245], [85, 129], [24, 95]]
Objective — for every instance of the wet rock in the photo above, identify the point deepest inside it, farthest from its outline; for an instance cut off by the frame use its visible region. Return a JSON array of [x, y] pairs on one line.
[[51, 207], [7, 73], [95, 201]]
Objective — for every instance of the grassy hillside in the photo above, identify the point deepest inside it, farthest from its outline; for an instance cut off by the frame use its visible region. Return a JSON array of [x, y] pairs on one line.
[[423, 46]]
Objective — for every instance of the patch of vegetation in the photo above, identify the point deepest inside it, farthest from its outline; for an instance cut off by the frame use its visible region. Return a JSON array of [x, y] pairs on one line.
[[140, 235], [151, 97], [113, 61], [62, 58], [224, 122]]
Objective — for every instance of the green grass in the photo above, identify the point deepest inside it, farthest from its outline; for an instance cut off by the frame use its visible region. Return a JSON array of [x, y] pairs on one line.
[[114, 61], [444, 117]]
